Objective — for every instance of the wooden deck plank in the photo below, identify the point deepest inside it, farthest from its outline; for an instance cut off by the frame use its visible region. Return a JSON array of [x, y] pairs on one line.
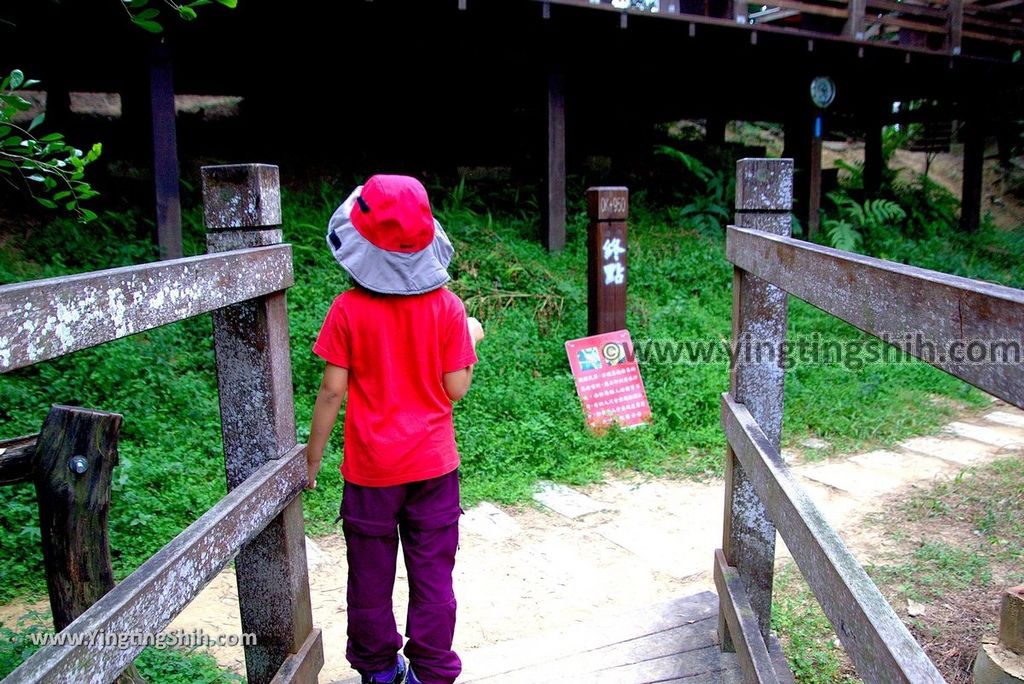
[[675, 641]]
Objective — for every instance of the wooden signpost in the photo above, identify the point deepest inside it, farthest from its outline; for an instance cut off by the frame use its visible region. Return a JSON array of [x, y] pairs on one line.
[[608, 209]]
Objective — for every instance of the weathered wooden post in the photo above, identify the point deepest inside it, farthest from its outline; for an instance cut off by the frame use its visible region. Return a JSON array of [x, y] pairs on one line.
[[242, 206], [1002, 661], [75, 457], [764, 192], [608, 209], [553, 206]]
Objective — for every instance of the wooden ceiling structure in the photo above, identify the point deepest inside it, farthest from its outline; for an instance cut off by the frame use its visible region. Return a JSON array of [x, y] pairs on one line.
[[393, 83]]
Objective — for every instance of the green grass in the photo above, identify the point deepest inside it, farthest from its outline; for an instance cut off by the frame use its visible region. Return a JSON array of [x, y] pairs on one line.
[[520, 422], [807, 637], [165, 666]]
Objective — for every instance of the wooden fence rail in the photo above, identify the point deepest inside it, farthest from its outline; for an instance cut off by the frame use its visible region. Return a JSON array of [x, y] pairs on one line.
[[941, 314], [260, 521], [148, 599], [891, 300], [45, 319]]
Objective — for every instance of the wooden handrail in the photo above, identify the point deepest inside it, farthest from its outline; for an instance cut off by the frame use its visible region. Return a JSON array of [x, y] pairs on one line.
[[878, 643], [887, 299], [46, 319], [147, 600]]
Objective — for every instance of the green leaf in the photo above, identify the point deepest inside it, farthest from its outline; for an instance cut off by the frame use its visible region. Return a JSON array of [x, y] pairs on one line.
[[52, 137], [36, 121], [186, 12], [17, 77], [61, 195], [35, 177], [147, 14], [87, 215], [230, 4], [4, 130], [29, 82], [49, 204], [150, 26]]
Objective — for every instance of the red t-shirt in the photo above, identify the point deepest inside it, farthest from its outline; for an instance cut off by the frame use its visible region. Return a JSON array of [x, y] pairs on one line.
[[398, 420]]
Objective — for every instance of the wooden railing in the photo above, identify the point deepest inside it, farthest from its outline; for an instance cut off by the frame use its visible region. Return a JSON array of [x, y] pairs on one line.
[[904, 22], [259, 522], [762, 495]]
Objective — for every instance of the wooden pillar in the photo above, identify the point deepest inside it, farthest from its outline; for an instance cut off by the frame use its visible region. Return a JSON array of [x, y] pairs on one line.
[[553, 204], [814, 177], [75, 457], [242, 206], [608, 209], [165, 152], [764, 189], [798, 148], [854, 26], [714, 130], [954, 26], [874, 162], [974, 161]]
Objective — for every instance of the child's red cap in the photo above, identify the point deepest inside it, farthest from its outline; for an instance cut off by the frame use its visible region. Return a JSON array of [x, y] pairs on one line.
[[393, 213]]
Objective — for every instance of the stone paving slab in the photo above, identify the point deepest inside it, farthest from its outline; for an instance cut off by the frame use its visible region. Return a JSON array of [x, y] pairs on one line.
[[566, 500], [488, 521], [958, 450], [996, 435]]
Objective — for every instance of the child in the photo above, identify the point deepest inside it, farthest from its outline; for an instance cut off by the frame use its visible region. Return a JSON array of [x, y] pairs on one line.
[[401, 345]]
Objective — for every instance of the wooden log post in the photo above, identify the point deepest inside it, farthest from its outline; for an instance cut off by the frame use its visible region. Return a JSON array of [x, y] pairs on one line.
[[242, 205], [854, 26], [974, 163], [75, 457], [954, 26], [874, 159], [764, 192], [1011, 620], [608, 209], [553, 203], [165, 152]]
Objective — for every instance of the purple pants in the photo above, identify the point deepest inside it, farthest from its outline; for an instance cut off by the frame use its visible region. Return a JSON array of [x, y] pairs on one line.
[[426, 516]]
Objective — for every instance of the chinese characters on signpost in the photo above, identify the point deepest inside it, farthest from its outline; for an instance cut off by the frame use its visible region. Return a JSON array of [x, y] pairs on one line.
[[608, 380], [607, 253]]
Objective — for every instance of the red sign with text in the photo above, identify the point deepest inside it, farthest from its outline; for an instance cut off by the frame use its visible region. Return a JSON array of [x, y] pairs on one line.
[[608, 380]]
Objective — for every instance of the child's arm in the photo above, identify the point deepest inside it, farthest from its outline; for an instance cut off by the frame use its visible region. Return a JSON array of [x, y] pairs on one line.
[[325, 413], [457, 383]]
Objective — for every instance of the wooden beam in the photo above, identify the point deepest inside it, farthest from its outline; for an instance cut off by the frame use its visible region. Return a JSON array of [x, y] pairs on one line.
[[764, 192], [814, 176], [854, 26], [45, 319], [254, 379], [165, 151], [973, 166], [751, 650], [874, 162], [147, 600], [877, 642], [17, 459], [77, 452], [892, 301], [304, 665], [554, 205]]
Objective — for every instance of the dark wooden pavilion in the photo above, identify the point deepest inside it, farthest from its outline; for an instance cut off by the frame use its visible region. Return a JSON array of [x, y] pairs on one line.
[[542, 85]]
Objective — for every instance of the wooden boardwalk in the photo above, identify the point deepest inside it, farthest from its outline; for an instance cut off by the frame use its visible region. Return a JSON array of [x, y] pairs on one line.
[[675, 641]]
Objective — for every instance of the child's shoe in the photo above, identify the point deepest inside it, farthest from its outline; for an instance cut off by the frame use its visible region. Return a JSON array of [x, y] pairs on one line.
[[396, 675]]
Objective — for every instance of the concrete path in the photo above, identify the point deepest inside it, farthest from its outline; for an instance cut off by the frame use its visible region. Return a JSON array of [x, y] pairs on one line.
[[589, 553]]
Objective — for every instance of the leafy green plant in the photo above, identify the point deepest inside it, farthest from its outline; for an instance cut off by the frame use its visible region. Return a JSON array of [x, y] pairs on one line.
[[146, 17], [846, 229], [708, 210], [51, 170]]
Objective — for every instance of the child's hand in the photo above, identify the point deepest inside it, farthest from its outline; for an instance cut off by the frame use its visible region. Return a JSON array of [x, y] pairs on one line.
[[476, 331], [312, 468]]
